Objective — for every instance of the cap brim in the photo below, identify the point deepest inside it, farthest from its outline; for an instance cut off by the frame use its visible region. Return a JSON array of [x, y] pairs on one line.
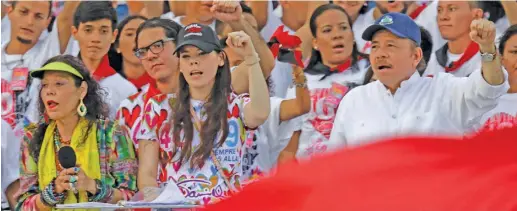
[[371, 30], [37, 73], [204, 46], [55, 66]]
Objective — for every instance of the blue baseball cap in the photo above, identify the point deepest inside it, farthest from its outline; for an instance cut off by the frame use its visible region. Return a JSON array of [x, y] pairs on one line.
[[397, 23]]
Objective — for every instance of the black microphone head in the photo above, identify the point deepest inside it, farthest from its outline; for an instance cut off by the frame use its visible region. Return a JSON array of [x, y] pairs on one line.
[[67, 157]]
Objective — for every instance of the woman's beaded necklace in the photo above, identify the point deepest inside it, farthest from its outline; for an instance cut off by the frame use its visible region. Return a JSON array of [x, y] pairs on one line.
[[59, 143]]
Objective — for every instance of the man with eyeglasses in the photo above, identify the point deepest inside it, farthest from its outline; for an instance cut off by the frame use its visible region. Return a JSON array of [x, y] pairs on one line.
[[155, 45], [94, 30]]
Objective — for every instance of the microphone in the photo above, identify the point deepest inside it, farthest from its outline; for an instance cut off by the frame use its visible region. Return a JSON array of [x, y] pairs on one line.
[[67, 157]]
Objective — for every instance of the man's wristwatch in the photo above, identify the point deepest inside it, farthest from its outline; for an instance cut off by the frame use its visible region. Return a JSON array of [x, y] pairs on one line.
[[488, 57]]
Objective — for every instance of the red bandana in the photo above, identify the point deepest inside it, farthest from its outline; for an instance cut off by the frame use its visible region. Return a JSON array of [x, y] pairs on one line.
[[417, 12], [104, 70], [342, 67], [141, 81], [472, 50]]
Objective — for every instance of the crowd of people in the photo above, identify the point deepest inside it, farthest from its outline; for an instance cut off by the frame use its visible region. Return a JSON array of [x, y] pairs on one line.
[[213, 95]]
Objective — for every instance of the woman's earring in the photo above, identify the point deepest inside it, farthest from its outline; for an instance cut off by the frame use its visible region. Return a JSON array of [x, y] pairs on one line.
[[81, 109]]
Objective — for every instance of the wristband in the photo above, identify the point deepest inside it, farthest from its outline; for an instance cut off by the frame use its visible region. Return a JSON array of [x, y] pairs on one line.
[[49, 197], [302, 85]]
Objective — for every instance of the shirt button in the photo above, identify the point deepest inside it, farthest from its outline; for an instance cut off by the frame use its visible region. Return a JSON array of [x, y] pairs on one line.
[[394, 116]]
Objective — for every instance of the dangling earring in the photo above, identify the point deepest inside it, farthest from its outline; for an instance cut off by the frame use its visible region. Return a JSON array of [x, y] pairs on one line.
[[81, 109]]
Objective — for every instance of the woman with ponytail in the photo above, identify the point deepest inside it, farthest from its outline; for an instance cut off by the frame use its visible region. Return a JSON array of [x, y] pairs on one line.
[[197, 138], [334, 67]]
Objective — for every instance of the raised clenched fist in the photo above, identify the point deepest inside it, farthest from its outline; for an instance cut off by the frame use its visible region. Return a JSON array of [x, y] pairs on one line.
[[482, 32], [241, 43], [226, 11]]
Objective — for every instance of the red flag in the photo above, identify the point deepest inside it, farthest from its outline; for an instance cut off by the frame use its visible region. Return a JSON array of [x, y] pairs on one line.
[[404, 174]]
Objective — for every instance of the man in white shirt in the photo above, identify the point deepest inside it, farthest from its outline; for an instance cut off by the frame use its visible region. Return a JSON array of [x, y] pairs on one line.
[[94, 30], [402, 103], [460, 55], [26, 50]]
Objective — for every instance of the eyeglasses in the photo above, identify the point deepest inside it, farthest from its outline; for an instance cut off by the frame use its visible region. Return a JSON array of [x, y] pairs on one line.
[[155, 48]]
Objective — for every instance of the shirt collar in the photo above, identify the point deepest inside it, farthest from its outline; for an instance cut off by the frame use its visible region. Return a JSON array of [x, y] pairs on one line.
[[151, 92], [104, 69], [141, 81], [405, 84]]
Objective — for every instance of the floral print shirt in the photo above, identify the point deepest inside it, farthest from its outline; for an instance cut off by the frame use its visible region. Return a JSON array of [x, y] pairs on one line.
[[116, 154]]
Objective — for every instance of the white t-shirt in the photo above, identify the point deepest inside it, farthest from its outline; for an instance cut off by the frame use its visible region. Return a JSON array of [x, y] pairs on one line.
[[433, 67], [362, 22], [442, 105], [504, 115], [317, 124], [200, 184], [117, 89], [272, 137], [10, 156], [32, 59]]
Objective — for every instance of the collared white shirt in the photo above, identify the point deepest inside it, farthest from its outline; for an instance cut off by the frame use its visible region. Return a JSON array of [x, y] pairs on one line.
[[433, 67], [442, 105]]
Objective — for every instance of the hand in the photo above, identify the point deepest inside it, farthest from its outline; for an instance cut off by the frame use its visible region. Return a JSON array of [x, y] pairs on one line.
[[75, 178], [241, 44], [226, 11], [62, 182], [482, 32]]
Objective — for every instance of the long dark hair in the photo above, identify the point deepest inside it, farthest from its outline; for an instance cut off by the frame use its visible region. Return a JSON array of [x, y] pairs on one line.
[[115, 58], [316, 55], [94, 101], [216, 107]]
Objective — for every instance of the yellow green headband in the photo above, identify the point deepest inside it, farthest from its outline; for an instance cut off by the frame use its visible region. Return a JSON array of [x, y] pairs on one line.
[[56, 66]]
